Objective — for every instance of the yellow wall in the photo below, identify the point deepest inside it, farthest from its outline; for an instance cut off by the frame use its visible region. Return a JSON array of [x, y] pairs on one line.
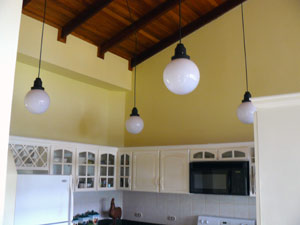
[[208, 115], [78, 111], [76, 55]]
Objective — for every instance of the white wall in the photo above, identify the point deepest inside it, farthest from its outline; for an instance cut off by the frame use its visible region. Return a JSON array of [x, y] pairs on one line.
[[156, 207], [277, 139], [10, 14], [10, 193]]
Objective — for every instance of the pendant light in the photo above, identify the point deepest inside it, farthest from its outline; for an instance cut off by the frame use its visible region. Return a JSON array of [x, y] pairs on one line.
[[135, 123], [245, 111], [181, 76], [37, 100]]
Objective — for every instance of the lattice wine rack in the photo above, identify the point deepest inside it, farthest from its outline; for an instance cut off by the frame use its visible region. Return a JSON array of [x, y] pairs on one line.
[[30, 157]]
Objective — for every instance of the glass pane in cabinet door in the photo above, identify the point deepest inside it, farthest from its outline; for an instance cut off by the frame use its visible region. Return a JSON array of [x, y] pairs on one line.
[[126, 182], [57, 169], [122, 159], [82, 183], [111, 171], [67, 169], [198, 155], [121, 182], [104, 159], [239, 154], [127, 160], [103, 182], [91, 171], [209, 155], [82, 158], [42, 152], [82, 171], [127, 171], [227, 154], [110, 182], [121, 171], [103, 171], [41, 163], [57, 158], [91, 158], [67, 157], [111, 159], [90, 182]]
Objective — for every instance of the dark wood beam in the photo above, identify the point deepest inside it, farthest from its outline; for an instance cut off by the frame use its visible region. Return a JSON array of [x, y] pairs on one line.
[[200, 22], [25, 2], [137, 25], [81, 18]]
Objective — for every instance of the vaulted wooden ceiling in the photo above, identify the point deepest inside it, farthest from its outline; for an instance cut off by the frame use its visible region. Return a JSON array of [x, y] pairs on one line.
[[108, 25]]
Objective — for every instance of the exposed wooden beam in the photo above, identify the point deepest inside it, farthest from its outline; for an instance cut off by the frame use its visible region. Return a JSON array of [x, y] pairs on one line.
[[201, 21], [137, 25], [81, 18], [25, 2]]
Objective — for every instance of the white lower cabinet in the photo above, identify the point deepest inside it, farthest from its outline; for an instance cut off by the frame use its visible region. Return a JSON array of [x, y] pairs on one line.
[[146, 171], [174, 171]]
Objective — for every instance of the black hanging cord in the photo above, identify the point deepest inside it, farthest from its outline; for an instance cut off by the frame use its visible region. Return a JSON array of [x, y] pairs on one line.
[[180, 21], [245, 53], [42, 37], [135, 52]]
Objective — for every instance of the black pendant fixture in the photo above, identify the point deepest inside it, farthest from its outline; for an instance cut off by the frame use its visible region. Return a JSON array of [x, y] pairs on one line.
[[245, 111], [135, 123], [181, 76], [37, 100]]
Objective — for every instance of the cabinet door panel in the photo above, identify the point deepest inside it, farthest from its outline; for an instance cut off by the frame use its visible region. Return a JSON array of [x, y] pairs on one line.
[[174, 171], [145, 171]]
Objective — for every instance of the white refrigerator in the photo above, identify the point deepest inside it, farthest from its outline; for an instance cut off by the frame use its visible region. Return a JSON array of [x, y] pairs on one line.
[[44, 199]]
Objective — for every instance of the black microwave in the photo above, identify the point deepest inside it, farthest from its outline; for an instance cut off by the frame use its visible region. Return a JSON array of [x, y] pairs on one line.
[[220, 177]]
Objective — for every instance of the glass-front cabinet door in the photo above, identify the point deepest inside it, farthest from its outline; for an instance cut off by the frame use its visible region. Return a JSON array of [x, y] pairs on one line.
[[86, 170], [203, 155], [125, 170], [107, 170], [62, 160]]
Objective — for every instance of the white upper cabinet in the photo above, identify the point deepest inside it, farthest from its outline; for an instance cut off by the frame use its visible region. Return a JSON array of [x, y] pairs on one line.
[[62, 160], [107, 169], [125, 163], [86, 169], [146, 171], [204, 155], [174, 171], [30, 154]]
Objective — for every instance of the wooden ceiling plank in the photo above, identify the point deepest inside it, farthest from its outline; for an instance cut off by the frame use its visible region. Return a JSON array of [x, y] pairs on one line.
[[201, 21], [137, 25], [81, 18], [25, 2]]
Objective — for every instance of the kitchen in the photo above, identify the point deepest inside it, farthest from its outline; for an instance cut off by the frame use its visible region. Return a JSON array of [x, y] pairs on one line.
[[96, 114]]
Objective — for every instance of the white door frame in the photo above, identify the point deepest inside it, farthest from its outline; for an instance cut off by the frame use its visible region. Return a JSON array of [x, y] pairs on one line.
[[10, 16]]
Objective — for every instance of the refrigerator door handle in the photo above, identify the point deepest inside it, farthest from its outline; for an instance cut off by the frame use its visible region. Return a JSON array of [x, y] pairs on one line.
[[71, 200]]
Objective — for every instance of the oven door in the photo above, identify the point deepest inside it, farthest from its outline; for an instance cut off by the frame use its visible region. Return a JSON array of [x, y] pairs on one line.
[[210, 178]]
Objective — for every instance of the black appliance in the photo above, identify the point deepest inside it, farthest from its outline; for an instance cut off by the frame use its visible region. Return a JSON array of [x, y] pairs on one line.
[[220, 177]]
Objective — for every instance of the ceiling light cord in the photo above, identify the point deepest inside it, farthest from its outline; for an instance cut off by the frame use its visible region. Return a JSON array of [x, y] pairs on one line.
[[244, 39], [180, 34], [135, 52], [42, 37]]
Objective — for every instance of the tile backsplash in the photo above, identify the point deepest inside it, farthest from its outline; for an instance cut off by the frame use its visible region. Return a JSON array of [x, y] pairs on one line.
[[158, 207]]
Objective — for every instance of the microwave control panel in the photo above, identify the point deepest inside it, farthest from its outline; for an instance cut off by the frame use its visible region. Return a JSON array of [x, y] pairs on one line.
[[211, 220]]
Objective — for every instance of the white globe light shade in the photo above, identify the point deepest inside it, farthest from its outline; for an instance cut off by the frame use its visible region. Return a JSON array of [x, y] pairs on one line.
[[134, 124], [181, 76], [245, 112], [37, 101]]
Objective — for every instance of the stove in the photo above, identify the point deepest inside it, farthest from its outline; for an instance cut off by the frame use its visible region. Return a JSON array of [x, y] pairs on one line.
[[211, 220]]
